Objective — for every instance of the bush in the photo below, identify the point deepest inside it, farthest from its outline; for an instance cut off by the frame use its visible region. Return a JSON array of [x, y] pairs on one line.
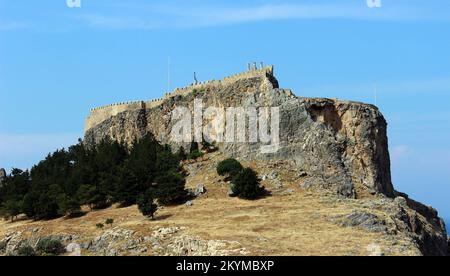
[[229, 167], [208, 147], [109, 222], [49, 247], [147, 205], [194, 147], [26, 251], [194, 151], [100, 225], [195, 154], [246, 185]]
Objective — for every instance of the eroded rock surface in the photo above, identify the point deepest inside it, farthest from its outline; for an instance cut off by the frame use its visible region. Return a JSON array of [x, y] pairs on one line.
[[344, 143], [339, 146]]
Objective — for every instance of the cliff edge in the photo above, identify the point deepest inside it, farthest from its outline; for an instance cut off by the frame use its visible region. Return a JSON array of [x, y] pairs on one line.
[[340, 146]]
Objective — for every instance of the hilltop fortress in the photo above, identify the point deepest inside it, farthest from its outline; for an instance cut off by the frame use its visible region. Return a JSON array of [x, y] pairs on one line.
[[343, 141], [100, 114], [333, 145]]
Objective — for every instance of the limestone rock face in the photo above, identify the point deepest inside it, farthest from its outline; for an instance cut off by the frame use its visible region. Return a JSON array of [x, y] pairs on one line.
[[342, 143], [342, 146]]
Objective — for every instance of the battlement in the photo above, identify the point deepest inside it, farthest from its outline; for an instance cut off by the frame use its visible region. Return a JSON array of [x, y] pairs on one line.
[[252, 72], [100, 114]]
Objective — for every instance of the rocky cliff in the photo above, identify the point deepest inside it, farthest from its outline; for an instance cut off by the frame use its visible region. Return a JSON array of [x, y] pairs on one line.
[[342, 143], [341, 146]]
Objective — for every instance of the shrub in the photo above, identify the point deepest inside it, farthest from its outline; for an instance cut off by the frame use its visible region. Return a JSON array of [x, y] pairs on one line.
[[195, 154], [208, 147], [229, 167], [26, 251], [109, 222], [49, 247], [147, 205], [194, 151], [194, 147], [3, 245], [100, 225], [246, 185]]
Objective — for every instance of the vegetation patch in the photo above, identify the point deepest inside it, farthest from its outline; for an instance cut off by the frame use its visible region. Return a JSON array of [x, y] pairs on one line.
[[49, 247], [245, 182], [97, 176]]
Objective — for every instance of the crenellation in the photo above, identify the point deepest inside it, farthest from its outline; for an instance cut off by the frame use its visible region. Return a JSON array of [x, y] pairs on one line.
[[99, 114]]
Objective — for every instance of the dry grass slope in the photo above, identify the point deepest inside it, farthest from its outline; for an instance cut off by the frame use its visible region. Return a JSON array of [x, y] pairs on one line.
[[292, 221]]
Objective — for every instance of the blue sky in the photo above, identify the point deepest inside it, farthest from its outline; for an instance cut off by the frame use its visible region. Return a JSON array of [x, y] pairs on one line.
[[56, 63]]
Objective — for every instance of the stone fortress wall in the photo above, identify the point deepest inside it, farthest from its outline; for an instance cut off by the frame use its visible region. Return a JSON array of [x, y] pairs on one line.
[[100, 114]]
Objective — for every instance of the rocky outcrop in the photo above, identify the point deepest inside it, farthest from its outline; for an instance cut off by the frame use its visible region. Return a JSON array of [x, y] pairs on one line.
[[343, 143], [13, 241], [365, 220], [424, 224], [342, 146], [170, 241]]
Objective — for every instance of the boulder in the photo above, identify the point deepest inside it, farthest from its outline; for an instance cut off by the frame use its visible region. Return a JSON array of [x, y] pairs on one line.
[[272, 175], [401, 201], [364, 220], [290, 191], [73, 249], [200, 189]]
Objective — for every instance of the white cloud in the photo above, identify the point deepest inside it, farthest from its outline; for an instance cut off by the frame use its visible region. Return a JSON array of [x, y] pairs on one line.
[[134, 16]]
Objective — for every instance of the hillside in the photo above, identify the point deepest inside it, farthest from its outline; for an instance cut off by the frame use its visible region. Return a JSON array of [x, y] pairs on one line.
[[344, 143], [325, 162], [295, 220]]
